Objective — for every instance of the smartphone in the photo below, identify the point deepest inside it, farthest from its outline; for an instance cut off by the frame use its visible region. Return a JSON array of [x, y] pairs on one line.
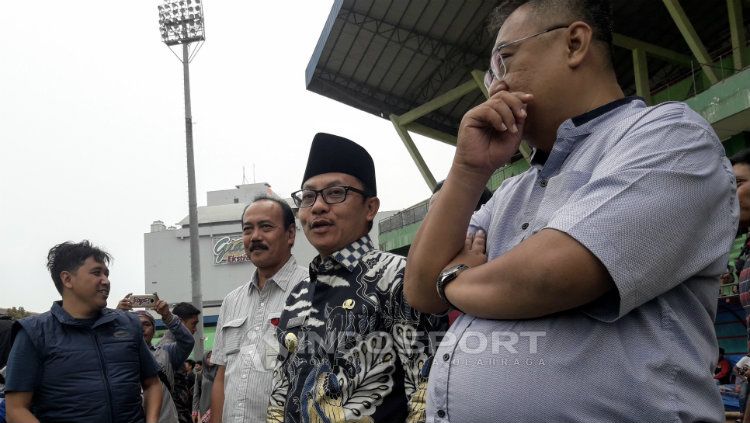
[[144, 301]]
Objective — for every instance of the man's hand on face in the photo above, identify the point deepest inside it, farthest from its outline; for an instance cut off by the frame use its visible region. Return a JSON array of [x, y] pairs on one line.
[[125, 304], [490, 133], [162, 307]]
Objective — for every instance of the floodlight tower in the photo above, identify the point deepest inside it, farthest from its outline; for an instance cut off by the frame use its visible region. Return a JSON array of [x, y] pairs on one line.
[[181, 22]]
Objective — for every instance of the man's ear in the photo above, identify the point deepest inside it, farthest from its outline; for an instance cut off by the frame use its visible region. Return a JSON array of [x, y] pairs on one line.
[[372, 204], [291, 233], [580, 36], [67, 279]]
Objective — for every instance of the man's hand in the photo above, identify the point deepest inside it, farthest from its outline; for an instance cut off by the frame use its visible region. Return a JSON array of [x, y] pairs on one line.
[[162, 307], [474, 251], [125, 304], [490, 133]]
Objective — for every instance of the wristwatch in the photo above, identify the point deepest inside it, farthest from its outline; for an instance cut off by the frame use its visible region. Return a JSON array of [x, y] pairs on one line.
[[447, 276]]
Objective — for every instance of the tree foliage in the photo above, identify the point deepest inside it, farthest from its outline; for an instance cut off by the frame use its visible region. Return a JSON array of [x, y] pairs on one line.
[[17, 312]]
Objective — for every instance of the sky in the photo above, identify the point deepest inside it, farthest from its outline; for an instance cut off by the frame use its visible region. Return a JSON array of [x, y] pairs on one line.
[[92, 136]]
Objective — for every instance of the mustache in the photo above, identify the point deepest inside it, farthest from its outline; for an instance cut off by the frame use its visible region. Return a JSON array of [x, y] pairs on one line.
[[258, 246]]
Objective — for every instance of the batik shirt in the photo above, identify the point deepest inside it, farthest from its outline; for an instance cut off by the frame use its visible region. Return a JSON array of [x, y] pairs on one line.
[[351, 346]]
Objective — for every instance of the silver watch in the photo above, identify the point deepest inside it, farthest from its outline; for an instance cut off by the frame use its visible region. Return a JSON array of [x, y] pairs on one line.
[[447, 276]]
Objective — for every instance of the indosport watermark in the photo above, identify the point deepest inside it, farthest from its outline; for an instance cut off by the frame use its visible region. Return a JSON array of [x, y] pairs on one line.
[[496, 348]]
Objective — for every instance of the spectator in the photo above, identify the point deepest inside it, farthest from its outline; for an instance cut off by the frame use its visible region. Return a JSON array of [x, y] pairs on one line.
[[566, 268], [245, 349], [723, 371], [741, 169], [6, 323], [169, 356], [741, 384], [204, 381], [81, 362], [182, 392], [184, 380], [349, 321]]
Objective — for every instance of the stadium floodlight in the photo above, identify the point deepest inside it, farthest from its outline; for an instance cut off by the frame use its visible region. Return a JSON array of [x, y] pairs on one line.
[[179, 25]]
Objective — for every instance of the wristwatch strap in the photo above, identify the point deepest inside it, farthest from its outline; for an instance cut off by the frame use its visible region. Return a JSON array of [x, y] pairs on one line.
[[445, 278]]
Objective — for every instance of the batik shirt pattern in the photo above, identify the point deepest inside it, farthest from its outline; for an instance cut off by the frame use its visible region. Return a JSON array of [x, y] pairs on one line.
[[351, 346]]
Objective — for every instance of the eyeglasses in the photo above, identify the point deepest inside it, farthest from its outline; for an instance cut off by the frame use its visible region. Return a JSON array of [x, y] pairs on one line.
[[331, 195], [497, 68]]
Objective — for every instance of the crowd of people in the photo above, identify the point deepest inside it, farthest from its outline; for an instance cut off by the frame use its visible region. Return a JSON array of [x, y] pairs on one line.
[[584, 289]]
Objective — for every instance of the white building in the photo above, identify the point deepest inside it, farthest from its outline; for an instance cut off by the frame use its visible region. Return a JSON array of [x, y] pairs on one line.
[[222, 256]]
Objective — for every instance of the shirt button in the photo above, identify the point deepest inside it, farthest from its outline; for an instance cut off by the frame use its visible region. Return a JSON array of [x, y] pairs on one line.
[[543, 183], [441, 413], [524, 226], [262, 304], [257, 328], [446, 357]]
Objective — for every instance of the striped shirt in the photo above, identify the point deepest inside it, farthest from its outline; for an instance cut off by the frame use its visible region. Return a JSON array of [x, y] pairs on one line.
[[246, 345], [649, 191]]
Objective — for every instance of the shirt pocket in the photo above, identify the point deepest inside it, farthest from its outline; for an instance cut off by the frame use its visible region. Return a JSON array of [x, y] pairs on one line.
[[233, 333], [270, 343]]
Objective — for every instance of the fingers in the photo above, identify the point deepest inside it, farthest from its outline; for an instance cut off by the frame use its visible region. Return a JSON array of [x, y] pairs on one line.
[[511, 107], [468, 242], [161, 305], [479, 242], [125, 304], [504, 111]]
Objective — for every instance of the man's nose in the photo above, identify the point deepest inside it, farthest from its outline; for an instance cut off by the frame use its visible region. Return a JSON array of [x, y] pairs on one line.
[[319, 205]]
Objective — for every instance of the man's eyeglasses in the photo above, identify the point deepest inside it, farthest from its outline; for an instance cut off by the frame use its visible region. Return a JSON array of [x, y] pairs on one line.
[[497, 68], [331, 195]]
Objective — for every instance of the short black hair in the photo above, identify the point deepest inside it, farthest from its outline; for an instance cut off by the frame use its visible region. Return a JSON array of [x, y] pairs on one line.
[[190, 361], [485, 197], [185, 310], [741, 157], [595, 13], [286, 210], [69, 256]]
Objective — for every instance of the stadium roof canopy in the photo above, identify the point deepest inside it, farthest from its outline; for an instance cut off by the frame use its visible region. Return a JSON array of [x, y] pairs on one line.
[[420, 63]]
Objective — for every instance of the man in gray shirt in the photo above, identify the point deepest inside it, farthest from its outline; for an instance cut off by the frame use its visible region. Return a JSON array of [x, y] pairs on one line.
[[596, 297], [245, 347]]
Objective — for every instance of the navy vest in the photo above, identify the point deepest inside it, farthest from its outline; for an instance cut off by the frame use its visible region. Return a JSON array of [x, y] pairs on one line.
[[89, 374]]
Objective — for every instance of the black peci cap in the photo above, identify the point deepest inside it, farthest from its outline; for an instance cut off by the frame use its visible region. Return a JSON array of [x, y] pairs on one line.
[[331, 153]]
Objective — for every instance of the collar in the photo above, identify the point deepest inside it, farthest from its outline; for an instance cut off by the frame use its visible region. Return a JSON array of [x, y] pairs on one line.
[[612, 105], [348, 256], [281, 278], [105, 315], [580, 127]]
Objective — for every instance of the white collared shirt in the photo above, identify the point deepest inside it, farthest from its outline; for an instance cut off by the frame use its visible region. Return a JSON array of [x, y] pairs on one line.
[[246, 345]]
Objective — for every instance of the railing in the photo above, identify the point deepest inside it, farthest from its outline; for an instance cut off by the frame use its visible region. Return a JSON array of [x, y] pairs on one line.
[[405, 217]]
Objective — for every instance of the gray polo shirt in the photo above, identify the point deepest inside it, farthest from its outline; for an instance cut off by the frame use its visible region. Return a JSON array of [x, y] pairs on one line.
[[650, 192]]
